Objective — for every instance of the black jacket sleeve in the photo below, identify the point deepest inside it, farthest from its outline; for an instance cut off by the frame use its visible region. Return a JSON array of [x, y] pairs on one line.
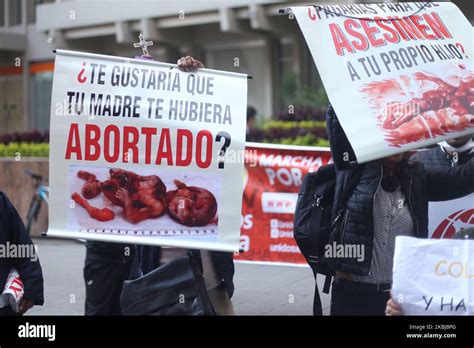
[[28, 268], [341, 150], [450, 183]]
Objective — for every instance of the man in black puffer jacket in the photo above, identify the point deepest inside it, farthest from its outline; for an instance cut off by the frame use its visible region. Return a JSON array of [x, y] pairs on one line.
[[390, 199]]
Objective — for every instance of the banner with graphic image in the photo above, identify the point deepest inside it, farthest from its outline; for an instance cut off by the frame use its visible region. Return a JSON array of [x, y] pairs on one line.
[[144, 153], [399, 76]]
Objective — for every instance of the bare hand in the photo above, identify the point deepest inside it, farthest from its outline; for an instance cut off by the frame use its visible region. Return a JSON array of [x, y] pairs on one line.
[[188, 63], [25, 304], [393, 308]]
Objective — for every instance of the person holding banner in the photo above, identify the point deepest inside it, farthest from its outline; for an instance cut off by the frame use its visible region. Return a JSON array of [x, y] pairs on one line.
[[390, 199], [218, 267], [13, 236]]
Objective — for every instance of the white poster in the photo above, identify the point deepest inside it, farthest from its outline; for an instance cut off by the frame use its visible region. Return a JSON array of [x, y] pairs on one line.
[[447, 218], [434, 277], [144, 153], [399, 75]]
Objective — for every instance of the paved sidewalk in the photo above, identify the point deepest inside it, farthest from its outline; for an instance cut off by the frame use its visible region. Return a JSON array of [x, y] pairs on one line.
[[260, 290]]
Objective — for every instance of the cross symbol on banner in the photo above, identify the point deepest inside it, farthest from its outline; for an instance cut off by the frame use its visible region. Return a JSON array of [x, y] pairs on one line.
[[143, 44]]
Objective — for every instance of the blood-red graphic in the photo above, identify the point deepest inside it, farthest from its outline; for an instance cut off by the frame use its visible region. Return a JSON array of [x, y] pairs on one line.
[[453, 223], [442, 107]]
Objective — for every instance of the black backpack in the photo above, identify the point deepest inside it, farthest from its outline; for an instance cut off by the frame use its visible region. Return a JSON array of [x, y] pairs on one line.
[[314, 227]]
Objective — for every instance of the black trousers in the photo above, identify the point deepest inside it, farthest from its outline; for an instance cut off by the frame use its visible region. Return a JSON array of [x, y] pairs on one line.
[[350, 301], [8, 311], [104, 274]]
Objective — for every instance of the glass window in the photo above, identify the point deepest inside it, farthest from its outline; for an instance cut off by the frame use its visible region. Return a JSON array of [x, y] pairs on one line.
[[15, 12], [2, 13], [40, 110]]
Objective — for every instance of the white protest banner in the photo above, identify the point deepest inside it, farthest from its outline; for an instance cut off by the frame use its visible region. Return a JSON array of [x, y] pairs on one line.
[[448, 217], [399, 76], [144, 153], [434, 277]]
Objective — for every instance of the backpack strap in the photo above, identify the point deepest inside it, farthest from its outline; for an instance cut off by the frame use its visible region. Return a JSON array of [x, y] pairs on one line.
[[317, 306], [316, 215]]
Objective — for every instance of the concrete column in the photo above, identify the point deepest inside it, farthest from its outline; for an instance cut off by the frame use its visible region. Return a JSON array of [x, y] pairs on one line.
[[272, 72], [6, 14]]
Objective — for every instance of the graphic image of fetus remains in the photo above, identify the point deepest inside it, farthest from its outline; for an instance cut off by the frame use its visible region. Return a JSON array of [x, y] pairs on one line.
[[144, 197], [141, 197], [191, 205]]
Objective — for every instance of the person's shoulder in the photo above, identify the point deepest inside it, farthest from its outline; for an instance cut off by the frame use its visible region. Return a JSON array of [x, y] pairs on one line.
[[5, 206], [4, 201], [427, 156], [466, 156]]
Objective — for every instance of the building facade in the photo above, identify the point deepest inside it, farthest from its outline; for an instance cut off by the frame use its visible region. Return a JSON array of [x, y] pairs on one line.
[[248, 36]]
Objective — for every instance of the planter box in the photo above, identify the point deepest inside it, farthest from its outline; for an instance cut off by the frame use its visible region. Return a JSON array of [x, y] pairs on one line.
[[19, 186]]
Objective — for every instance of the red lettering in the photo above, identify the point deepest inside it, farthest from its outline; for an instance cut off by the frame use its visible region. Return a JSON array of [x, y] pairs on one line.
[[92, 141], [410, 29], [311, 13], [108, 146], [165, 139], [149, 132], [340, 41], [422, 28], [394, 22], [363, 44], [208, 155], [73, 143], [371, 32], [392, 36], [130, 144], [181, 134], [437, 25]]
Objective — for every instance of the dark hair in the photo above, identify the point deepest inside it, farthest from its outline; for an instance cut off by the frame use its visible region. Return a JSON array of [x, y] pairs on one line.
[[251, 112], [467, 233]]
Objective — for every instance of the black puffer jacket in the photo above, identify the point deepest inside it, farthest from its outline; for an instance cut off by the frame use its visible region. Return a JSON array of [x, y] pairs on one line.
[[437, 157], [13, 231], [419, 184]]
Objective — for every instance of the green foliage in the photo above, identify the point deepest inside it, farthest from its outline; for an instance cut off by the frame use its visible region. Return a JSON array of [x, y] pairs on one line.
[[24, 149], [294, 124], [304, 140], [294, 93]]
